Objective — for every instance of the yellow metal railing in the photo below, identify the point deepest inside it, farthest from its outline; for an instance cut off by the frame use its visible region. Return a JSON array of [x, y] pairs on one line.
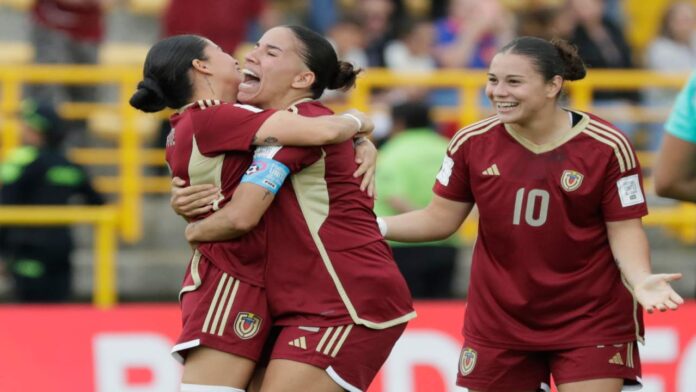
[[130, 157], [129, 181], [104, 220]]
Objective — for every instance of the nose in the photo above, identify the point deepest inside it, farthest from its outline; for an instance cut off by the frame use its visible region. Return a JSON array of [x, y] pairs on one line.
[[251, 56], [499, 90]]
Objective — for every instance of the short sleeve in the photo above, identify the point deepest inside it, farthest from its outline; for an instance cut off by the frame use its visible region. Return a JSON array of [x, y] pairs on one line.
[[681, 120], [295, 158], [229, 128], [453, 181], [623, 197]]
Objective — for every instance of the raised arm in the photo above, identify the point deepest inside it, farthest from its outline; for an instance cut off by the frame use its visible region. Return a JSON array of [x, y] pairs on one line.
[[439, 220], [288, 129], [629, 246]]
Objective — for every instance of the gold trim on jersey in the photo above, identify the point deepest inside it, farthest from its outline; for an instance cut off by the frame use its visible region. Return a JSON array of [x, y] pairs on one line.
[[467, 132], [491, 171], [616, 140], [293, 106], [206, 170], [195, 275], [221, 305], [635, 309], [546, 147], [312, 195]]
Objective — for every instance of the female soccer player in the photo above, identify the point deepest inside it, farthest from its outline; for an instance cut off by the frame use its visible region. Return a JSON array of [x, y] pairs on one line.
[[561, 263], [334, 291], [225, 322]]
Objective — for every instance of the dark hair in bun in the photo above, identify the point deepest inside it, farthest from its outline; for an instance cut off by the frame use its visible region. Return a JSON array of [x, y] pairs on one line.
[[557, 57], [165, 73], [320, 57]]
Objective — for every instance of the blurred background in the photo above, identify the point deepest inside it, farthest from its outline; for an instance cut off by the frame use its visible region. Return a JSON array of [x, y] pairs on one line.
[[68, 68]]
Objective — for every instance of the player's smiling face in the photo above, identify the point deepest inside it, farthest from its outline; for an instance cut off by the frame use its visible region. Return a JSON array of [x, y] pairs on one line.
[[272, 69], [517, 91], [225, 69]]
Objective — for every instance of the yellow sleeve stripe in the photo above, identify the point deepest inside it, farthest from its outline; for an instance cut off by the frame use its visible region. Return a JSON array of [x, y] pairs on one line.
[[619, 157], [473, 127], [620, 138], [466, 135]]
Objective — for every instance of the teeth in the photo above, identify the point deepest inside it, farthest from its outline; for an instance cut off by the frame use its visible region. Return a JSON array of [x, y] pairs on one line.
[[249, 72], [506, 105]]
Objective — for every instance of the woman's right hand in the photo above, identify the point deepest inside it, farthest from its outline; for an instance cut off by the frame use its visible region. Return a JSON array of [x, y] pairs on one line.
[[193, 200]]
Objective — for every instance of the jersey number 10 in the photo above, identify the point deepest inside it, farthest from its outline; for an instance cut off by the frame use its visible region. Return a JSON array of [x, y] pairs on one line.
[[533, 197]]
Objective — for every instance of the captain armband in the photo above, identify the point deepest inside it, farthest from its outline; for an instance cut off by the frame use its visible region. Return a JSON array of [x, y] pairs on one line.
[[266, 173]]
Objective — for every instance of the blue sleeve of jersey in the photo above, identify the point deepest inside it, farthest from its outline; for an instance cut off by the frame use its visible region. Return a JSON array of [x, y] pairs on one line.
[[266, 173], [682, 121]]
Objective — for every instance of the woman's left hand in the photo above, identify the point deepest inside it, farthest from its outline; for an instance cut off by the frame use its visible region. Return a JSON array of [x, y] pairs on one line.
[[366, 158], [655, 293]]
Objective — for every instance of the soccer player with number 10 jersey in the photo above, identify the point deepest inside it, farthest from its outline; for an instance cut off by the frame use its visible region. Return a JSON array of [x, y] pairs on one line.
[[561, 266]]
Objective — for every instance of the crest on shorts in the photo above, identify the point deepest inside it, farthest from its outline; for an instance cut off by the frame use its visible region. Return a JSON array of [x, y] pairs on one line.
[[571, 180], [467, 361], [247, 325]]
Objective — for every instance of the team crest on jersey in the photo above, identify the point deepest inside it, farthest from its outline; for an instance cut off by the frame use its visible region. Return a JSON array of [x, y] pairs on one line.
[[467, 361], [571, 180], [247, 325]]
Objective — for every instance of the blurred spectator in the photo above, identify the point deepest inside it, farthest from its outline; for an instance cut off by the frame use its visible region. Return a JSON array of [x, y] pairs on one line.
[[675, 47], [675, 167], [601, 43], [222, 21], [546, 22], [348, 40], [66, 32], [412, 51], [408, 163], [471, 33], [380, 21], [38, 173], [674, 50]]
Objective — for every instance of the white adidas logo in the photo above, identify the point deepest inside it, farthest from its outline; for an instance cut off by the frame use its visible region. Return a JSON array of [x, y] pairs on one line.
[[299, 343], [491, 171], [616, 359]]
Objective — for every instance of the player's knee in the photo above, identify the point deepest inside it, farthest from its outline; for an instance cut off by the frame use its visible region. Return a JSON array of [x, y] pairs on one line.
[[208, 388]]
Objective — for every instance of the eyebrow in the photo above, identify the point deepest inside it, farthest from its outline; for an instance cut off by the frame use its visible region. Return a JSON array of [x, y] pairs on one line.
[[270, 46], [507, 76]]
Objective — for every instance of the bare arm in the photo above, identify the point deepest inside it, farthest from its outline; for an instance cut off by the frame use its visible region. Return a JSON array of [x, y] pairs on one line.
[[675, 169], [629, 246], [248, 204], [440, 219], [288, 129]]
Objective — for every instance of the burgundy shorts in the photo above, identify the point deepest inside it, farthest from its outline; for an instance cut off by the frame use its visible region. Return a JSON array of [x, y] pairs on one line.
[[220, 312], [351, 354], [494, 369]]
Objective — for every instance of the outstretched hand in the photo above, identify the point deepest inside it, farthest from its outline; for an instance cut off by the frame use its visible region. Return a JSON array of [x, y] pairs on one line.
[[655, 293], [193, 200], [366, 158]]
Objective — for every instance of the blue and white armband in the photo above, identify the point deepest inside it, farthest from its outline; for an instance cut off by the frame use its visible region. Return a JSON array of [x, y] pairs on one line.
[[266, 173]]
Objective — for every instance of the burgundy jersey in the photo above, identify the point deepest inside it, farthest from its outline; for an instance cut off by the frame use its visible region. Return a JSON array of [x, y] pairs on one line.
[[327, 262], [210, 143], [543, 275]]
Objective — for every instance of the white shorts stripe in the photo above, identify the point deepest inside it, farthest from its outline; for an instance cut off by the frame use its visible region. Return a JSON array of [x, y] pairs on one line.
[[229, 307], [221, 305], [327, 349], [211, 309], [341, 341], [323, 338], [340, 381]]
